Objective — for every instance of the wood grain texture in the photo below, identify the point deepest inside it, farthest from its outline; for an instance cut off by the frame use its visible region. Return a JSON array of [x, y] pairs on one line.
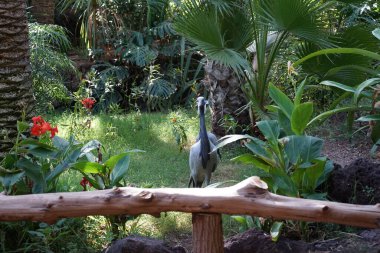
[[249, 197], [207, 233]]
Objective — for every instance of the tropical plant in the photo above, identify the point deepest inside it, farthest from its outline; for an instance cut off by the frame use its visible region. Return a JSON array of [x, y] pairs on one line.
[[50, 64], [16, 92], [224, 31], [35, 165], [291, 166], [105, 175], [296, 116]]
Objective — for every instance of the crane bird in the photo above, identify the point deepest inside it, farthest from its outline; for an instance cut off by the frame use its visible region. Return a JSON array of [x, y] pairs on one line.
[[203, 159]]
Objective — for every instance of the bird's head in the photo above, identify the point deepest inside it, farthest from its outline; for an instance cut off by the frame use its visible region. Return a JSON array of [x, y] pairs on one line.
[[201, 103]]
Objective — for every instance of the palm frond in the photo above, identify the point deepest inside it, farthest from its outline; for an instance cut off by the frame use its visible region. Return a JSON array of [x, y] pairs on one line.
[[339, 67], [293, 16], [222, 36]]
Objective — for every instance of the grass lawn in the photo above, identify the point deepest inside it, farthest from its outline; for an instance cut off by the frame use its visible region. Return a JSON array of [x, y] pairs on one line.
[[161, 165]]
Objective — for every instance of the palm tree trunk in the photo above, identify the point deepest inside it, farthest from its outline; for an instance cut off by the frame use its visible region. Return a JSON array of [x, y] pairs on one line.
[[16, 97], [43, 11], [227, 99]]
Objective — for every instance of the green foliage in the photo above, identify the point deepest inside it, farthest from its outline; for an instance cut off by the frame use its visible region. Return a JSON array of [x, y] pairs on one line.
[[50, 64], [294, 117], [292, 165], [108, 174], [33, 166]]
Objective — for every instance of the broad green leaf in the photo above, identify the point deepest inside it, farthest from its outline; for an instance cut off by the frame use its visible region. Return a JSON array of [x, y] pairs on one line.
[[329, 166], [301, 116], [282, 183], [364, 85], [60, 143], [281, 100], [35, 143], [299, 93], [258, 148], [323, 116], [251, 159], [302, 148], [10, 179], [65, 164], [88, 167], [239, 219], [358, 51], [339, 85], [34, 172], [312, 174], [285, 123], [42, 152], [113, 160], [120, 170], [275, 230], [89, 146], [372, 117], [270, 129]]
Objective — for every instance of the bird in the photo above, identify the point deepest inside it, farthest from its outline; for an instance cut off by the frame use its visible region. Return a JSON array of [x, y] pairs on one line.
[[203, 158]]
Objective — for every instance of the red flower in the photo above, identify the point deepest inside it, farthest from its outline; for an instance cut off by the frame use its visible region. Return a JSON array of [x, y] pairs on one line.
[[37, 120], [88, 102], [53, 131], [84, 182], [40, 127], [45, 126]]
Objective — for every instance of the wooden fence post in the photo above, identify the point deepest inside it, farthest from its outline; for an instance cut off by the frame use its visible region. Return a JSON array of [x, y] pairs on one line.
[[207, 233]]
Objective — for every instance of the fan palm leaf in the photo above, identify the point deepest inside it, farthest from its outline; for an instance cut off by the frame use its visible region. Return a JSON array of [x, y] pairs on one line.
[[221, 35]]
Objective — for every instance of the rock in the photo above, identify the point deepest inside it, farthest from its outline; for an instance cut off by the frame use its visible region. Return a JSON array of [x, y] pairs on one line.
[[357, 183], [367, 241], [255, 241], [140, 244], [258, 242]]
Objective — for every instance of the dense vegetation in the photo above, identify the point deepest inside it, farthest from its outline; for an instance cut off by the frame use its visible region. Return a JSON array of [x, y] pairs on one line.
[[272, 70]]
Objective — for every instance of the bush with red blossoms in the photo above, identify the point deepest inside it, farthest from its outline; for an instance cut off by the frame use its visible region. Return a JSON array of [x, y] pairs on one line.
[[88, 103], [40, 127]]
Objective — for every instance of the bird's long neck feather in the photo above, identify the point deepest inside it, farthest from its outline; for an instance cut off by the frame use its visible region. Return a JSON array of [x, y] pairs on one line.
[[205, 143]]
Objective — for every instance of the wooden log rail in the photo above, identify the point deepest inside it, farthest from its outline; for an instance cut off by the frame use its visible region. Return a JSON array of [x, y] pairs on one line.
[[250, 197]]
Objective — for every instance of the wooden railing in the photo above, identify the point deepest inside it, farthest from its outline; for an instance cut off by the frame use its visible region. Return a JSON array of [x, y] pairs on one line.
[[250, 197]]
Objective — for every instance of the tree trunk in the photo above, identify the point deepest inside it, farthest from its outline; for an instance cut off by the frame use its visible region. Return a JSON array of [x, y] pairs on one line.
[[43, 11], [227, 99], [207, 233], [15, 82]]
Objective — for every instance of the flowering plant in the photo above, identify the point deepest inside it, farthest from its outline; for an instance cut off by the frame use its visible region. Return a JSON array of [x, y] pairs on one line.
[[40, 127], [84, 182], [88, 103], [34, 164]]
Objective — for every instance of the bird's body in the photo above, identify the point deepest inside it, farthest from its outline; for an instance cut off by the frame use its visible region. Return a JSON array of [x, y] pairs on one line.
[[203, 159]]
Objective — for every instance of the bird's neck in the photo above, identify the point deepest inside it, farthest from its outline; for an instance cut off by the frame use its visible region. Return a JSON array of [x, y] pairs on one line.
[[202, 123], [202, 127]]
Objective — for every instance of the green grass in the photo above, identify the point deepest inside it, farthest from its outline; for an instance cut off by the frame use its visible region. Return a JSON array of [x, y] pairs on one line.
[[161, 165]]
